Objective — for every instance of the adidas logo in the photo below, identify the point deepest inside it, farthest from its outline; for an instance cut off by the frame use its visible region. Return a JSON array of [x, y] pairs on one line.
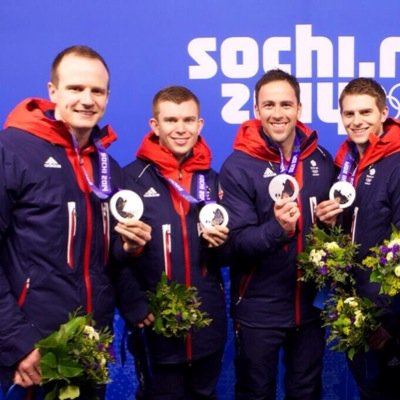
[[151, 193], [51, 163], [268, 173]]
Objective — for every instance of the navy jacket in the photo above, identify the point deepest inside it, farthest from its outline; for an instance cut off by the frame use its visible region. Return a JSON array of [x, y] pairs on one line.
[[264, 277], [54, 232], [376, 208], [175, 247]]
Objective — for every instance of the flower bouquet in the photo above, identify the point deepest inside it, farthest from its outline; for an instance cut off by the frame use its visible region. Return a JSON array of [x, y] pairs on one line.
[[176, 309], [350, 320], [384, 262], [75, 357], [328, 258]]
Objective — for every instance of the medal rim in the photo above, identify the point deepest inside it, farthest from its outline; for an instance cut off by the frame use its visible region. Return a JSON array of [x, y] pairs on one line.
[[292, 179], [342, 183], [137, 201], [215, 206]]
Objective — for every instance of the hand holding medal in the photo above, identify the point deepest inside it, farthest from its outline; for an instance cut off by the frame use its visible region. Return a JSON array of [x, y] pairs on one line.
[[127, 208], [214, 220]]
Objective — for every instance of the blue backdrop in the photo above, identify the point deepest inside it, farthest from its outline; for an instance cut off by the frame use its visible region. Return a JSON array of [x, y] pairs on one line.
[[218, 48]]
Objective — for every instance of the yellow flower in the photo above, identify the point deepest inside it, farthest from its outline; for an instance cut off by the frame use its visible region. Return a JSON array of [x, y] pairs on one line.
[[346, 330], [351, 301], [397, 271], [359, 319], [331, 246], [91, 333]]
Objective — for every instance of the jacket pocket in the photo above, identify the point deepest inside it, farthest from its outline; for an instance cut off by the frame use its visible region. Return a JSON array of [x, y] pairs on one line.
[[71, 233]]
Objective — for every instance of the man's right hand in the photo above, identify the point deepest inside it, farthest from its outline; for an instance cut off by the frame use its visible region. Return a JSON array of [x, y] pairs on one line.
[[28, 371], [287, 213], [135, 234], [147, 321]]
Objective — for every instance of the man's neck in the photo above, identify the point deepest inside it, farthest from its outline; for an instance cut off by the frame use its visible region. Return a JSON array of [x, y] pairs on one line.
[[82, 138]]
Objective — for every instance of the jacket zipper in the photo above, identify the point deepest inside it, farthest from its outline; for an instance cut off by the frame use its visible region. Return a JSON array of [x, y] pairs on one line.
[[71, 233], [166, 235], [106, 230]]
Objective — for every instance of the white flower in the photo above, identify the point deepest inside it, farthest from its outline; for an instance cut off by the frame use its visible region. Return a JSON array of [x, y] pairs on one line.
[[331, 246], [91, 333], [397, 271], [393, 242], [316, 256], [351, 301], [389, 256]]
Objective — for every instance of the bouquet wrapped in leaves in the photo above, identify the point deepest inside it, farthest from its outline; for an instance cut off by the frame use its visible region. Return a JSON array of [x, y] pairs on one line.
[[384, 261], [176, 309], [351, 320], [328, 258], [74, 358]]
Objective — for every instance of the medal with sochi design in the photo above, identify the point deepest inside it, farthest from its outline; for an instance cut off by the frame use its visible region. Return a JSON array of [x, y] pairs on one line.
[[126, 205], [213, 214], [283, 186], [343, 193]]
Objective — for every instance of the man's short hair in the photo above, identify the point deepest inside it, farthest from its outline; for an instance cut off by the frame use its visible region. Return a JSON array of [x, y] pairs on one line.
[[78, 50], [174, 94], [366, 86], [278, 75]]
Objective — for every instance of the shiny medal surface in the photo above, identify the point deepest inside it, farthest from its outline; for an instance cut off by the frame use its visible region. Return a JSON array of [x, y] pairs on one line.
[[126, 205], [283, 186], [213, 214], [343, 192]]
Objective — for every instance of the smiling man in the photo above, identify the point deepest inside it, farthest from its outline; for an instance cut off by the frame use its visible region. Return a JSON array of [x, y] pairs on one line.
[[371, 156], [173, 175], [55, 233], [272, 310]]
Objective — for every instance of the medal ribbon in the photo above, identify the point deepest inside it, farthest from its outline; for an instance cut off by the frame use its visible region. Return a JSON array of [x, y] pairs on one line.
[[104, 191], [294, 159], [202, 195], [349, 168]]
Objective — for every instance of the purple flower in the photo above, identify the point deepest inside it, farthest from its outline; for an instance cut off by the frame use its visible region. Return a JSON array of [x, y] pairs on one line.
[[347, 268], [383, 250], [382, 261], [323, 270], [179, 317], [333, 315]]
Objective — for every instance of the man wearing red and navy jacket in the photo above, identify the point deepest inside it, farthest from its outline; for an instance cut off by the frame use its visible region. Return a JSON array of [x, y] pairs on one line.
[[172, 175], [373, 147], [55, 231], [271, 308]]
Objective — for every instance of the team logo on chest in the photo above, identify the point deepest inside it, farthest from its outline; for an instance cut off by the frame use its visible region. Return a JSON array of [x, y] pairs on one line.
[[314, 168], [370, 176]]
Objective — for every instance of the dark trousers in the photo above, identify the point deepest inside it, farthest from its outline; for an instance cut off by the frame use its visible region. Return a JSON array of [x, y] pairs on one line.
[[377, 372], [196, 380], [257, 359]]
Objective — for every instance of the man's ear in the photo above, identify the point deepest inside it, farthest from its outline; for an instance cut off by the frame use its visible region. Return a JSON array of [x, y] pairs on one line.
[[154, 125], [52, 89]]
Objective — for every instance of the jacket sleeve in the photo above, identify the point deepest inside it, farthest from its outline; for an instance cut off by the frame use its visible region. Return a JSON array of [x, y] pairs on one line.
[[17, 334], [248, 235]]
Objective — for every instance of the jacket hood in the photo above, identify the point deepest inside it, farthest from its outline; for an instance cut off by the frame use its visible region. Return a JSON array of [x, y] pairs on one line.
[[250, 141], [29, 116], [151, 150], [378, 148]]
